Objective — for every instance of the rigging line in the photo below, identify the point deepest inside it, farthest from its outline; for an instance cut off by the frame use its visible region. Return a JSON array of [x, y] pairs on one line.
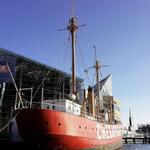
[[10, 120], [63, 63], [82, 58], [85, 38], [41, 84], [20, 98], [66, 50], [93, 79], [91, 45], [73, 9], [58, 83], [6, 125]]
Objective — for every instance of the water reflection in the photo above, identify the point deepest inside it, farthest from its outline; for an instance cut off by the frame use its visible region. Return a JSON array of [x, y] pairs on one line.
[[136, 147]]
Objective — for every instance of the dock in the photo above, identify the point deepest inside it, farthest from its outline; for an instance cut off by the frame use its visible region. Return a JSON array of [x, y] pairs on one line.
[[136, 140]]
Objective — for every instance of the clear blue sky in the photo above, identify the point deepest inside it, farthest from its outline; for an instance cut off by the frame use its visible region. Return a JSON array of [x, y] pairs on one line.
[[120, 29]]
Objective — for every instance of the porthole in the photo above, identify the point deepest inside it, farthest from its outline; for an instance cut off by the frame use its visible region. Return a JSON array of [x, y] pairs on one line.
[[79, 126], [86, 128], [59, 124]]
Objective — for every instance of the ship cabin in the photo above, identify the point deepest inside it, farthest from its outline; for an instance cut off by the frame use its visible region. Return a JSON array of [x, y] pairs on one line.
[[63, 105]]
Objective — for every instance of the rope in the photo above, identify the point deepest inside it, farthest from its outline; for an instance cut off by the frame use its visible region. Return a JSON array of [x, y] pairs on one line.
[[10, 120], [41, 84], [60, 77], [20, 98]]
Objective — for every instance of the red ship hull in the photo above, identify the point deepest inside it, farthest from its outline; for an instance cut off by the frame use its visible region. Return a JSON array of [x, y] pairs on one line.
[[59, 130]]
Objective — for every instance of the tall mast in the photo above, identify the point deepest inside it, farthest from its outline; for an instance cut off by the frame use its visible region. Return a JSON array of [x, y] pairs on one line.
[[72, 28], [97, 68]]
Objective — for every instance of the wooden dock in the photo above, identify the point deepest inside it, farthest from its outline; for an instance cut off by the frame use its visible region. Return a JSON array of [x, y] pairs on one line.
[[136, 140]]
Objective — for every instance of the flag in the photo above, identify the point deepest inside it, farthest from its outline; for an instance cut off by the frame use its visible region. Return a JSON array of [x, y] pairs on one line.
[[3, 69]]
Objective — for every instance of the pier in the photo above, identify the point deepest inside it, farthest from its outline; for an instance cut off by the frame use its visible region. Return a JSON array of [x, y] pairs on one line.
[[136, 140]]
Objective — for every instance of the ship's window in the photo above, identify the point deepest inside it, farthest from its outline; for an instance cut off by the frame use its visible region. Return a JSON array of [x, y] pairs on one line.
[[59, 124], [92, 128], [86, 128], [79, 126]]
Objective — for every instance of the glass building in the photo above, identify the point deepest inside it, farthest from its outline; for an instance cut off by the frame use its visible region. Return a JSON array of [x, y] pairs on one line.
[[34, 80]]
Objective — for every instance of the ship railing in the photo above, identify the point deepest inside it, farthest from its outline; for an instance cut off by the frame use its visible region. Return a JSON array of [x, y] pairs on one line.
[[50, 106], [45, 106], [91, 116], [62, 108], [57, 107]]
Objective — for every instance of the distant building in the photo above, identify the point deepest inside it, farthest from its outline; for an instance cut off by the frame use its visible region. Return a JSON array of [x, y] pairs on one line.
[[144, 129], [111, 104], [106, 85]]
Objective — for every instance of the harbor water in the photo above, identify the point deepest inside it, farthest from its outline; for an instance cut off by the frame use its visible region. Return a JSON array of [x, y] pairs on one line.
[[23, 146], [136, 147]]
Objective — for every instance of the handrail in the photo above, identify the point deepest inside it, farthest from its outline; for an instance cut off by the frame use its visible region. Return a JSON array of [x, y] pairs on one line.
[[63, 109]]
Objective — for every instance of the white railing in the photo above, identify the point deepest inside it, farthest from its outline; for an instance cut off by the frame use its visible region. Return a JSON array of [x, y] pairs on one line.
[[61, 108]]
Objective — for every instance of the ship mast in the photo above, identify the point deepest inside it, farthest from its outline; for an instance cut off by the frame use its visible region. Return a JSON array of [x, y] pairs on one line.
[[72, 28], [97, 68]]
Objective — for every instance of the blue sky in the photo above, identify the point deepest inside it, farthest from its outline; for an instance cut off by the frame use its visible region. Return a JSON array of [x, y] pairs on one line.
[[120, 29]]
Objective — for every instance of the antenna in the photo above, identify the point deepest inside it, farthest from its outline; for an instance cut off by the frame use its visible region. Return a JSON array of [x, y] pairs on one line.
[[73, 8], [73, 12], [95, 52]]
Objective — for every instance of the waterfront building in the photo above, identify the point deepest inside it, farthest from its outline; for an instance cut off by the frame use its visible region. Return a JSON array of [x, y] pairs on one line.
[[30, 78]]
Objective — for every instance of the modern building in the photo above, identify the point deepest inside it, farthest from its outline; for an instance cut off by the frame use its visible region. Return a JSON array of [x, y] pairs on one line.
[[111, 104], [33, 80]]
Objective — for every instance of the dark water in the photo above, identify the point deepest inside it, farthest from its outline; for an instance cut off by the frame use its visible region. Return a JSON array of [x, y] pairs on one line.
[[21, 146], [136, 147]]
